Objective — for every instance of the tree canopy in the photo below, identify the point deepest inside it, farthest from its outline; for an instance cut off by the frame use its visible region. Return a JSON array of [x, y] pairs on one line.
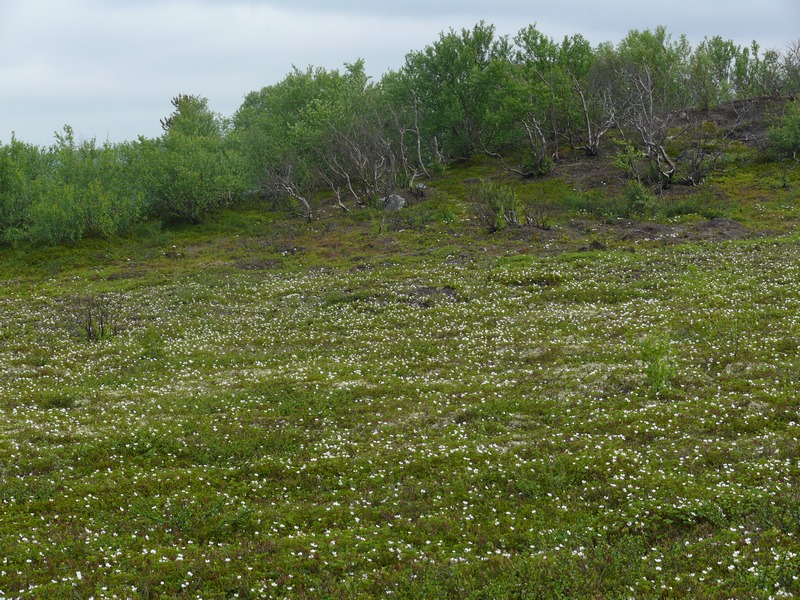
[[528, 100]]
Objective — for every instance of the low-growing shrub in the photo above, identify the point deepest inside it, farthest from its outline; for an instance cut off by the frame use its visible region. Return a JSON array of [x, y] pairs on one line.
[[94, 316], [702, 203], [499, 205], [658, 364], [639, 200], [599, 205], [538, 213]]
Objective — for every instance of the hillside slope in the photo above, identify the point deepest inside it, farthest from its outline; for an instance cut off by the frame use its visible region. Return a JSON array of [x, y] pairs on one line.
[[410, 404]]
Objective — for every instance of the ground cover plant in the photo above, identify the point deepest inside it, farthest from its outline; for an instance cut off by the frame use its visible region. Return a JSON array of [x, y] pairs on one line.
[[565, 366], [350, 408]]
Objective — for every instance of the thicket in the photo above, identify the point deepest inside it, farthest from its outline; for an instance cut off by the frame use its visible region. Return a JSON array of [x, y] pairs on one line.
[[526, 100]]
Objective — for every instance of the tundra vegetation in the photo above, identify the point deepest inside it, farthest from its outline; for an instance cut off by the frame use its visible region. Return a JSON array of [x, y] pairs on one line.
[[566, 368]]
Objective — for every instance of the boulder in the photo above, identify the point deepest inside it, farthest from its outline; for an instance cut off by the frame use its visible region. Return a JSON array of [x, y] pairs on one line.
[[393, 203]]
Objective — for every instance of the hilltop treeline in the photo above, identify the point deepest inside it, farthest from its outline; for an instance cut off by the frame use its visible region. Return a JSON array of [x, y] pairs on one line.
[[528, 100]]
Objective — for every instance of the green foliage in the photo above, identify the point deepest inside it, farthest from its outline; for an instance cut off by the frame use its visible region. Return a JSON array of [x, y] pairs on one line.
[[69, 191], [20, 166], [712, 70], [628, 159], [544, 78], [451, 82], [192, 170], [336, 137], [791, 69], [441, 209], [658, 362], [524, 101], [538, 212], [654, 65], [640, 201], [651, 74], [784, 136], [606, 207], [783, 143], [636, 200], [499, 205], [757, 74], [703, 203]]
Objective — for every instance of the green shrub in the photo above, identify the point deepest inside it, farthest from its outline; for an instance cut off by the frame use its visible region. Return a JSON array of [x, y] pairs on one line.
[[658, 364], [67, 192], [20, 166], [499, 205], [56, 217], [193, 169], [539, 164], [188, 178], [94, 316], [784, 136], [784, 140], [639, 200]]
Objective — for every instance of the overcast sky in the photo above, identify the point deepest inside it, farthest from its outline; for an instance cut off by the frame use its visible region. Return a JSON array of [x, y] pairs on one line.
[[109, 68]]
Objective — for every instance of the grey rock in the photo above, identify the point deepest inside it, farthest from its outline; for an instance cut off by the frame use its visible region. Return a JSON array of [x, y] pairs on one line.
[[393, 203]]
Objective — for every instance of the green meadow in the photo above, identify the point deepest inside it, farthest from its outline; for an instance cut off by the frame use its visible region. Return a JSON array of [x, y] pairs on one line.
[[407, 405]]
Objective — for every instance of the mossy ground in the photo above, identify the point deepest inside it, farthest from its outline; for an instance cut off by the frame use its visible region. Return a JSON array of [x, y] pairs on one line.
[[371, 405]]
